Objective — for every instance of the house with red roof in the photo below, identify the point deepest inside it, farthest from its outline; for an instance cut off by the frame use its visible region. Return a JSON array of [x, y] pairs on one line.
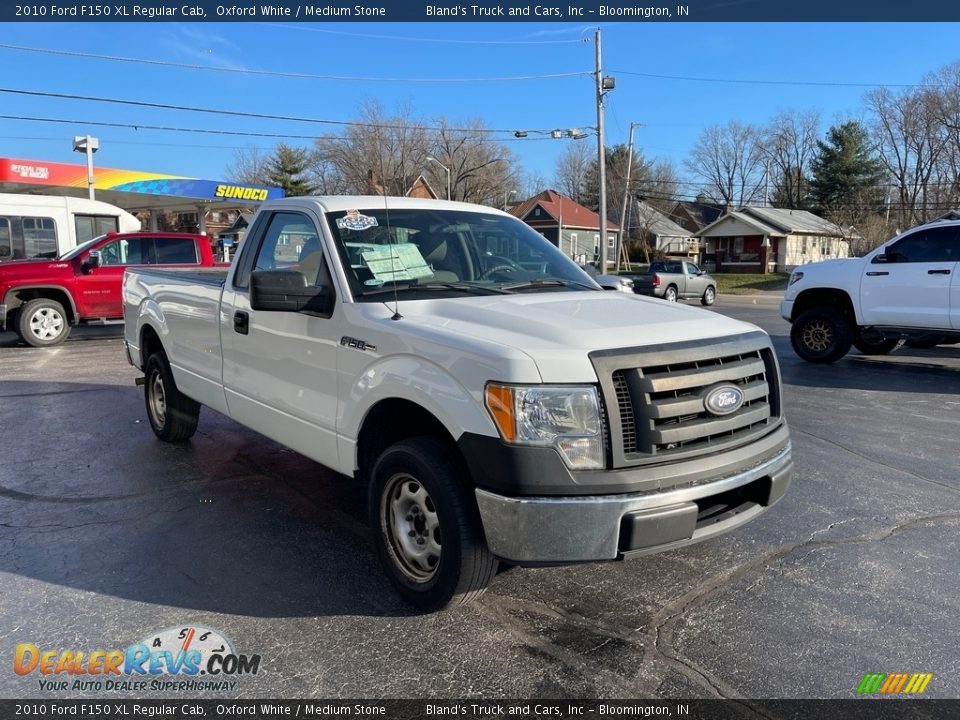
[[566, 223]]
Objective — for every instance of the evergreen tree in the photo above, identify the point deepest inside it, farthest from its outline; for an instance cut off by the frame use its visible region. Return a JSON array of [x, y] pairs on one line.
[[287, 168], [846, 174]]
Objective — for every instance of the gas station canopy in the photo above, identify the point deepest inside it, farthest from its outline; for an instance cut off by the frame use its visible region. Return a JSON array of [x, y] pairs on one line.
[[131, 190]]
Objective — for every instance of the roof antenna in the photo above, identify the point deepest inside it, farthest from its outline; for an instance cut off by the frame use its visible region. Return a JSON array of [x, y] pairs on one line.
[[386, 207]]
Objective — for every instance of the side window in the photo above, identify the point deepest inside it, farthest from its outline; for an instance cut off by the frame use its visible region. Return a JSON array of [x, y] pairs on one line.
[[40, 237], [291, 241], [91, 226], [6, 246], [174, 251], [691, 268], [936, 244], [124, 251]]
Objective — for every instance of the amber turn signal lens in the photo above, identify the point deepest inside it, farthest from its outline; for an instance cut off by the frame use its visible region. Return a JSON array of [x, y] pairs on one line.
[[500, 405]]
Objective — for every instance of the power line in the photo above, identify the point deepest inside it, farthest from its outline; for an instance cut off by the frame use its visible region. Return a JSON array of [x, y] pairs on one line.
[[239, 133], [736, 81], [259, 116], [278, 73]]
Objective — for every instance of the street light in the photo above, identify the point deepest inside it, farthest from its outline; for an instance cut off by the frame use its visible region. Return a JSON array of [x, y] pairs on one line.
[[445, 169], [88, 145]]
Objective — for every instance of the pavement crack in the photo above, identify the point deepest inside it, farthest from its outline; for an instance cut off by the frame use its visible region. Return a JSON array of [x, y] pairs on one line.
[[660, 632], [876, 461]]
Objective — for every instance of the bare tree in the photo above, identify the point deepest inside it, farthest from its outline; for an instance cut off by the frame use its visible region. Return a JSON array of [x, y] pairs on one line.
[[250, 165], [728, 160], [573, 169], [481, 169], [381, 154], [910, 139], [790, 143]]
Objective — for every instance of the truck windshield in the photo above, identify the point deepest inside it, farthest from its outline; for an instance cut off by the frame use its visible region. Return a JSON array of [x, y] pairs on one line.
[[71, 254], [413, 248]]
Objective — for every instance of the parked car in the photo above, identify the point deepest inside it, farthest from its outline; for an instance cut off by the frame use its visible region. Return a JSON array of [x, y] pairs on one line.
[[527, 416], [620, 283], [675, 280], [907, 289], [41, 300]]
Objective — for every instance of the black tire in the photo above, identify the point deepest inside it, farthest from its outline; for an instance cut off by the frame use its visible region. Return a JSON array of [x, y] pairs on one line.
[[417, 487], [43, 323], [172, 415], [670, 294], [821, 335], [709, 296], [875, 345]]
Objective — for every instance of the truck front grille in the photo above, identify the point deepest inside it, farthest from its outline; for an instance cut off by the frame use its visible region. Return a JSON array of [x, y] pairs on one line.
[[655, 397]]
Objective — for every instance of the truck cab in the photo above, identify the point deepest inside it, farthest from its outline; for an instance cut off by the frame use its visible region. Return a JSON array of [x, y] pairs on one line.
[[41, 300]]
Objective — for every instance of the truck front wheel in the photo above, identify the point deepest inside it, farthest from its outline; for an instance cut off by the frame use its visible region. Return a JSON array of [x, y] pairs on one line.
[[427, 527], [173, 416], [821, 335], [43, 323]]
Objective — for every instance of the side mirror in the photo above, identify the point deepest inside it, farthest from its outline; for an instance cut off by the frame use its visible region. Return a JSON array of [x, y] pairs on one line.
[[288, 291], [94, 260], [884, 258]]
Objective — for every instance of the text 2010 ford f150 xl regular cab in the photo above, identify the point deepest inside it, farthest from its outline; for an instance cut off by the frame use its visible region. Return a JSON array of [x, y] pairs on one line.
[[509, 411]]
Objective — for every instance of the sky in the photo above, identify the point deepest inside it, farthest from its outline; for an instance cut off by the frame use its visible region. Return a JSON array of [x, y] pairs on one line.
[[674, 79]]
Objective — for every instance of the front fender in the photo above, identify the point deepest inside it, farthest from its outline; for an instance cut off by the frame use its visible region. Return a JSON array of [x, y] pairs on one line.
[[421, 382]]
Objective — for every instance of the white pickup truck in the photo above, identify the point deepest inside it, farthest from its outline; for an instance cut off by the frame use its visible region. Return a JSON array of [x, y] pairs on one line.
[[907, 289], [496, 402]]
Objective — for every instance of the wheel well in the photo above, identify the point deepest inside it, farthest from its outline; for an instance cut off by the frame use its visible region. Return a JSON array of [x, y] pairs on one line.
[[837, 299], [21, 296], [391, 421], [149, 344]]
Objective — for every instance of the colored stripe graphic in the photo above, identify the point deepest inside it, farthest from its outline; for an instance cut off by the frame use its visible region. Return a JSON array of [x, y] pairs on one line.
[[894, 683]]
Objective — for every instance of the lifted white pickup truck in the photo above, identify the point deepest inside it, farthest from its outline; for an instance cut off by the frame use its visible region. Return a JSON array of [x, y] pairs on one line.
[[908, 289], [498, 404]]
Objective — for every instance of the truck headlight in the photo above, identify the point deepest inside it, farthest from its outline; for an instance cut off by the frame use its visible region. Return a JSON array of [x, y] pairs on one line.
[[795, 276], [567, 418]]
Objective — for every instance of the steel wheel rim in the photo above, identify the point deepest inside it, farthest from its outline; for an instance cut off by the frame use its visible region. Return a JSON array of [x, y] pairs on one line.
[[671, 295], [412, 528], [818, 335], [46, 323], [710, 295], [158, 400]]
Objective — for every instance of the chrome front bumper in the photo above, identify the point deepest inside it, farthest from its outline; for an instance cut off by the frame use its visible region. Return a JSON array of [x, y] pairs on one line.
[[547, 530]]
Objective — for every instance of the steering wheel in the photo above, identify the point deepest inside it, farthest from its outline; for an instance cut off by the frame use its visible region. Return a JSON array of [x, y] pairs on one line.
[[486, 274]]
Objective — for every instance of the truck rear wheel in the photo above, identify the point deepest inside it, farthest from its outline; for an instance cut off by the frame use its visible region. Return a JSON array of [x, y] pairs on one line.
[[821, 335], [426, 526], [670, 294], [173, 416], [43, 323]]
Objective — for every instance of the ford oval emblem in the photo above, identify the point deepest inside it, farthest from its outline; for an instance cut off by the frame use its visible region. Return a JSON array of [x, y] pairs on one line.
[[723, 400]]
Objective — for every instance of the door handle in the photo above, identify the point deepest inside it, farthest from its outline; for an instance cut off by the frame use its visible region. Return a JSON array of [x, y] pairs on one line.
[[944, 271], [875, 273], [241, 322]]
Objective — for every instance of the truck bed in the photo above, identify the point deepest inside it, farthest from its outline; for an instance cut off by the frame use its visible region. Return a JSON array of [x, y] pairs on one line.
[[215, 276]]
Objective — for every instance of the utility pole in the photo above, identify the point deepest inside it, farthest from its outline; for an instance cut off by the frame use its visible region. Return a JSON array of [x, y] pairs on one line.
[[601, 159], [626, 196]]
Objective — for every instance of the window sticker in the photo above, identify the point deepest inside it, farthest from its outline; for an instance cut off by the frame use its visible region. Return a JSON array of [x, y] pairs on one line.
[[402, 261], [353, 220]]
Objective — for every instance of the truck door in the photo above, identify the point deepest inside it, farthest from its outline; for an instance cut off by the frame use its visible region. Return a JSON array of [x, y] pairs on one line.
[[909, 283], [98, 289], [279, 368], [695, 284]]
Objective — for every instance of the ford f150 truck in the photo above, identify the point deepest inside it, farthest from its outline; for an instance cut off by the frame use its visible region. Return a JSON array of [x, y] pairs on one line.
[[40, 300], [906, 289], [675, 280], [495, 411]]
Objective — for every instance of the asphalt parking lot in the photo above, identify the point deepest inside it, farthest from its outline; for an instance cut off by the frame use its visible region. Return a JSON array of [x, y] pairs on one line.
[[108, 536]]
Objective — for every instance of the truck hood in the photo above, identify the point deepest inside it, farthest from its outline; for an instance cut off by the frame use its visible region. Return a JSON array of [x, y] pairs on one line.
[[558, 329]]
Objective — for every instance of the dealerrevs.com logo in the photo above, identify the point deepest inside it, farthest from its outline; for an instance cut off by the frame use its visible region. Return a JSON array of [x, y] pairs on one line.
[[175, 659]]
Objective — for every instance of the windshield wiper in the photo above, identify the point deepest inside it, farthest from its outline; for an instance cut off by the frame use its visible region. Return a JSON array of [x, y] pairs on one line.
[[546, 282], [437, 285]]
